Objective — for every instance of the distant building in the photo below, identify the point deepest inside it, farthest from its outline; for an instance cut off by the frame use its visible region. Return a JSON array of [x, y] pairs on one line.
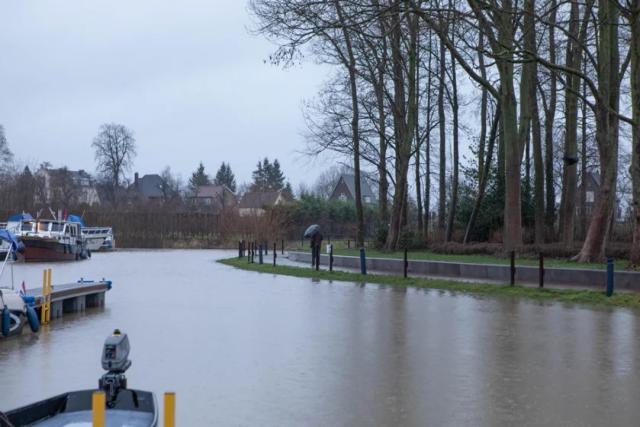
[[214, 197], [256, 202], [148, 188], [592, 185], [345, 189], [68, 186]]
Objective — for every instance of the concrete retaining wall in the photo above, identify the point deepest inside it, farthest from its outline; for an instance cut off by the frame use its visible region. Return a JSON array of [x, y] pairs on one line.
[[488, 272]]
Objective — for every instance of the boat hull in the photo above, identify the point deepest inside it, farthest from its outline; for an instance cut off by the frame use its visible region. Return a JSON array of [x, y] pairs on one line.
[[135, 408], [42, 250]]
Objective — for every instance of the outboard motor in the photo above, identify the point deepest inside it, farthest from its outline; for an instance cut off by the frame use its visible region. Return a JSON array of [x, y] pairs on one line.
[[115, 360]]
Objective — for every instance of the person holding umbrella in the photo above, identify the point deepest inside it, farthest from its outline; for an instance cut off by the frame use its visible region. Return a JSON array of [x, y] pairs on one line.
[[313, 233]]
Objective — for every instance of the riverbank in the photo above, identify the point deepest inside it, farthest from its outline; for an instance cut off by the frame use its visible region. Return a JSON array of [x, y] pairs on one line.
[[586, 297]]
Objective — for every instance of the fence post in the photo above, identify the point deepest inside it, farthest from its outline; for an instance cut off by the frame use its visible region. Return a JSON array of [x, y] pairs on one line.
[[609, 277], [260, 253], [406, 263], [363, 261], [239, 249], [318, 257], [331, 257], [541, 270], [249, 252], [513, 268], [282, 246], [266, 248]]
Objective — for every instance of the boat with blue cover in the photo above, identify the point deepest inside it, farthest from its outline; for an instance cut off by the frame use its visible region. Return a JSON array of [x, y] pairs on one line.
[[16, 309]]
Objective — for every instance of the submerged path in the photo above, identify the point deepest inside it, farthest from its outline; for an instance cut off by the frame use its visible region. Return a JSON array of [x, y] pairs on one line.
[[246, 348]]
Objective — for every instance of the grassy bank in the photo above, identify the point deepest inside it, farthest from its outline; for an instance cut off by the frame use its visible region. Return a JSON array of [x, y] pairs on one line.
[[474, 259], [587, 297]]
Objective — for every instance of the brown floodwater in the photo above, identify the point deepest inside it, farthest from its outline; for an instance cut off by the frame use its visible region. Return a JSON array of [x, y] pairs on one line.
[[248, 349]]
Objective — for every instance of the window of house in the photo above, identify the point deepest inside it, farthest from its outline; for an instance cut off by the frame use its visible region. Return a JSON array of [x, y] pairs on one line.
[[343, 197], [590, 197], [367, 199]]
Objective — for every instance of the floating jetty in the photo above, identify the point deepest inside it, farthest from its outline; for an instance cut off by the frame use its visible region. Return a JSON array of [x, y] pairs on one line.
[[55, 300]]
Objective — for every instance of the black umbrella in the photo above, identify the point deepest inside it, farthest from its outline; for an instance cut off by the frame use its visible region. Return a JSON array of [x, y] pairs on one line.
[[311, 230]]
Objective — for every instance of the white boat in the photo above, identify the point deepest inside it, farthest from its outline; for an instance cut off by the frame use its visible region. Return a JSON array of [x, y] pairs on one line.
[[14, 311], [95, 237]]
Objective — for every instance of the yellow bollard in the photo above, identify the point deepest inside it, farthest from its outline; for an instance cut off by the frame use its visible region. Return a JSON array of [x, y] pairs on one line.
[[170, 409], [49, 290], [98, 408], [43, 309]]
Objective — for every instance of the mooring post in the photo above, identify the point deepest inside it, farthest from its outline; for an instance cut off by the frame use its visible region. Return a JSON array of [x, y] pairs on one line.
[[169, 409], [98, 406], [513, 268], [609, 276], [260, 253], [406, 263], [275, 253], [331, 257], [363, 261], [541, 270]]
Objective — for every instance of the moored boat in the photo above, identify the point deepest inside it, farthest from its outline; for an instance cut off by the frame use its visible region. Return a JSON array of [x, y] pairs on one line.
[[96, 237], [121, 406], [48, 239], [15, 312]]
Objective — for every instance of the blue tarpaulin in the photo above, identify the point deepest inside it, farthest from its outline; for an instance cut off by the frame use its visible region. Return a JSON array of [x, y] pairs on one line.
[[75, 218], [20, 217], [11, 238]]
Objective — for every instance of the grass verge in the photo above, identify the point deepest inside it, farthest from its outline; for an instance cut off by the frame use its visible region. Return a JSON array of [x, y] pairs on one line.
[[586, 297], [475, 259]]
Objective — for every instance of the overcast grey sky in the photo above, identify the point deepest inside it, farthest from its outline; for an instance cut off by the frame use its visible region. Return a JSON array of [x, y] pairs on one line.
[[186, 76]]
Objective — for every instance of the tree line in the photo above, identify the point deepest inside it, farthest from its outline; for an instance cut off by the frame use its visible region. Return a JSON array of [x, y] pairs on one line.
[[537, 94], [115, 148]]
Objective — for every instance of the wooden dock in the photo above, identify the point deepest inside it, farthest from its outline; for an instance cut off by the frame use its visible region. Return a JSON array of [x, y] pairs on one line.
[[73, 297]]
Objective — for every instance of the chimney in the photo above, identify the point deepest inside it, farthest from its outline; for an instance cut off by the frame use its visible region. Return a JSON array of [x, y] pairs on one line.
[[135, 179]]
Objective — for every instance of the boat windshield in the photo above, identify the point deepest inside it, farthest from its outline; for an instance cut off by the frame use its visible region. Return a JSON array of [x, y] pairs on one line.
[[42, 227], [57, 226], [27, 226]]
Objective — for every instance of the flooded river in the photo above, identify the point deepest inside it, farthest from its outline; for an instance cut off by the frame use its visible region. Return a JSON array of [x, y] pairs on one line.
[[248, 349]]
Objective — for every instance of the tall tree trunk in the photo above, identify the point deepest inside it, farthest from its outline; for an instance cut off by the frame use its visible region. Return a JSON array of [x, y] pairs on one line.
[[570, 174], [442, 187], [383, 182], [484, 176], [607, 105], [536, 137], [634, 20], [549, 119], [403, 129], [355, 127], [454, 178], [416, 132], [583, 163], [484, 101], [427, 142]]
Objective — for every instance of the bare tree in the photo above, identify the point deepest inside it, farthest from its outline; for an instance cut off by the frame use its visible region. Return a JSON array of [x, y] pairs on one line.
[[115, 149]]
